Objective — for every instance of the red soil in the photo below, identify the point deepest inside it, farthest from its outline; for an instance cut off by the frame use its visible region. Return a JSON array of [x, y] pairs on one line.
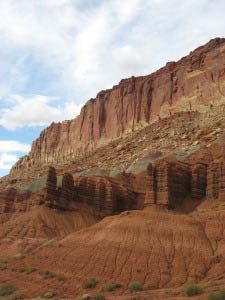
[[161, 250]]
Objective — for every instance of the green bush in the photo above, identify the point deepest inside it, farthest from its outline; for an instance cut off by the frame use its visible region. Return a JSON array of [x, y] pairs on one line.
[[21, 270], [3, 267], [112, 286], [99, 296], [16, 297], [90, 283], [32, 270], [85, 297], [135, 286], [48, 295], [48, 274], [19, 256], [136, 298], [7, 289], [193, 290], [220, 295], [61, 278]]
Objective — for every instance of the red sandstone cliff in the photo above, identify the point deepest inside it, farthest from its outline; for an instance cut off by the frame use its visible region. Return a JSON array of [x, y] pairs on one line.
[[193, 83]]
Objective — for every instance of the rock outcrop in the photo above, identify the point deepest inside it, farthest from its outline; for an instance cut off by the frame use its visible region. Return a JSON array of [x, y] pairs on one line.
[[165, 183], [51, 184], [195, 82], [216, 180], [12, 201], [106, 195]]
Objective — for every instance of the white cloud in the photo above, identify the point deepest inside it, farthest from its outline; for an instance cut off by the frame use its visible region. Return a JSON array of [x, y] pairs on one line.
[[13, 146], [9, 151], [6, 160], [35, 111]]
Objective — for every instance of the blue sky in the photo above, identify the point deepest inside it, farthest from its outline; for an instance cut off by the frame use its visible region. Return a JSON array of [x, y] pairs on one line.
[[56, 54]]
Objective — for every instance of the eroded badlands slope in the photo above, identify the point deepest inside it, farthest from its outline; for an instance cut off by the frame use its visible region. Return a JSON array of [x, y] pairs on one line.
[[159, 249]]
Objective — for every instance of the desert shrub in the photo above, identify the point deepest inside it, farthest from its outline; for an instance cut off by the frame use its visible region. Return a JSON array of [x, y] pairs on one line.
[[90, 283], [193, 290], [219, 295], [48, 295], [7, 289], [135, 286], [51, 243], [48, 274], [98, 296], [135, 298], [7, 259], [32, 270], [16, 296], [112, 286], [85, 297], [19, 257], [3, 267], [215, 207], [61, 278], [217, 259], [21, 270]]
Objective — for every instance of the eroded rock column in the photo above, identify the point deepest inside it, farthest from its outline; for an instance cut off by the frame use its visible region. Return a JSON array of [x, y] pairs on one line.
[[150, 196], [67, 191], [222, 181], [213, 181], [198, 182], [51, 184]]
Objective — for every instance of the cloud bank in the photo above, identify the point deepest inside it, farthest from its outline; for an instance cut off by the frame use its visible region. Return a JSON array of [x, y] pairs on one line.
[[9, 151], [35, 111]]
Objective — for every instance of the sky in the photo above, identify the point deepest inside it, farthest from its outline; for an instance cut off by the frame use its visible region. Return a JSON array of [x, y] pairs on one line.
[[57, 54]]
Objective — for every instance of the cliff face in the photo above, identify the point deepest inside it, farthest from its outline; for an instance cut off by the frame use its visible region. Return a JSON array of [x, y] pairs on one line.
[[193, 83]]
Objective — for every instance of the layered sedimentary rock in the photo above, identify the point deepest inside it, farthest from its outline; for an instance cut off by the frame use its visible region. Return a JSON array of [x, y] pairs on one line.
[[168, 184], [192, 83], [51, 184], [165, 183], [222, 181], [105, 194], [12, 201], [213, 181], [199, 180], [67, 191], [216, 180], [150, 196]]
